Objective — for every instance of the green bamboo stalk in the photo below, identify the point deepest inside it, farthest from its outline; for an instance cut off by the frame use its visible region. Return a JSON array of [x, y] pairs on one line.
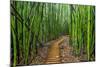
[[14, 43], [88, 35]]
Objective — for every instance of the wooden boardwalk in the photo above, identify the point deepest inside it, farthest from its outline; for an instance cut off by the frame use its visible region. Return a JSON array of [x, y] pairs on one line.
[[59, 51], [54, 52]]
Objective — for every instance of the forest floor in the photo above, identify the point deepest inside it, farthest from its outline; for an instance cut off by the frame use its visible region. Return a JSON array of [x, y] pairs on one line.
[[58, 51]]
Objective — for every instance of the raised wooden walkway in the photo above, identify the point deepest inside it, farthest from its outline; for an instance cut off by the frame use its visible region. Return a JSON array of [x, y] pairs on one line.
[[59, 51], [54, 52]]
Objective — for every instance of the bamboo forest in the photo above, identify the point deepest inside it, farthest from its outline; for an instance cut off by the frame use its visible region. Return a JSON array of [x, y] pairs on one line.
[[51, 33]]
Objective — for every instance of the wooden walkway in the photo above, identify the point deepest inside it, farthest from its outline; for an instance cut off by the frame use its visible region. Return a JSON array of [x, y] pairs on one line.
[[59, 51], [54, 52]]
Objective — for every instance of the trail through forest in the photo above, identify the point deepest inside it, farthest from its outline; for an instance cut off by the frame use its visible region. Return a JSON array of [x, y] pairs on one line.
[[59, 51]]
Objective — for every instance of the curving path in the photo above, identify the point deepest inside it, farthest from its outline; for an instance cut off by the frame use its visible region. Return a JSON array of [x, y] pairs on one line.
[[54, 52]]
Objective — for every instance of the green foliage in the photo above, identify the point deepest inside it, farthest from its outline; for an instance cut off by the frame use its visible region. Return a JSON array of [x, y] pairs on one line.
[[33, 24], [83, 29]]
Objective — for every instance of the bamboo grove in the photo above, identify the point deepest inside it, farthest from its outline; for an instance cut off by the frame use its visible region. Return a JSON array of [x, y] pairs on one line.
[[34, 23]]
